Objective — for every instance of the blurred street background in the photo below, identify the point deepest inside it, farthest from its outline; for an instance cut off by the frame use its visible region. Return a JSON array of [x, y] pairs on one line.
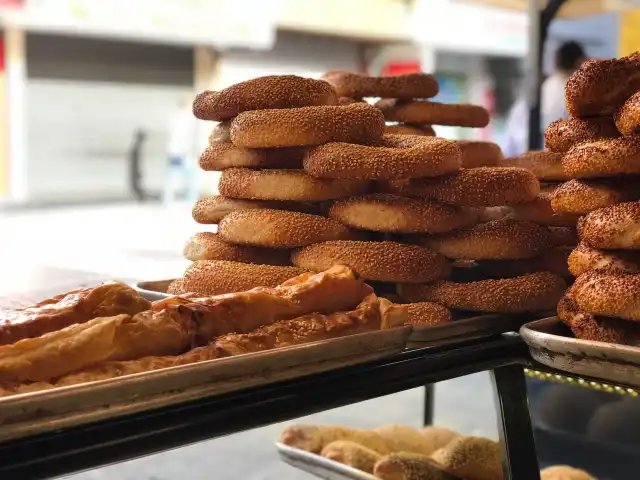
[[92, 97]]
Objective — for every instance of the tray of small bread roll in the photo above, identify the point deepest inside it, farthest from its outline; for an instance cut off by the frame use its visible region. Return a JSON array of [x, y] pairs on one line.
[[96, 353], [398, 452]]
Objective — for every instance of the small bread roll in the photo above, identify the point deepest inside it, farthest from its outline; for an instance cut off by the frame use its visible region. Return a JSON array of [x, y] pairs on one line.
[[438, 437], [409, 466], [471, 458], [564, 472], [351, 454], [406, 439]]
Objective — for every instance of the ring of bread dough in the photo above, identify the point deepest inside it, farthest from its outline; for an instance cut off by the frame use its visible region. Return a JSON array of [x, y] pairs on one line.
[[433, 113], [497, 240], [209, 246], [381, 212], [584, 258], [600, 87], [220, 156], [480, 154], [211, 209], [612, 228], [404, 129], [291, 185], [298, 127], [475, 187], [376, 261], [628, 117], [527, 293], [216, 277], [349, 100], [563, 134], [396, 156], [221, 133], [553, 260], [270, 92], [545, 165], [563, 236], [412, 85], [584, 196], [540, 211], [603, 158], [427, 313], [614, 294], [279, 229]]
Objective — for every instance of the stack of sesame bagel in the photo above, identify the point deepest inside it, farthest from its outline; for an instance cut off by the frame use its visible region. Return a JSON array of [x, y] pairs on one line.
[[600, 155]]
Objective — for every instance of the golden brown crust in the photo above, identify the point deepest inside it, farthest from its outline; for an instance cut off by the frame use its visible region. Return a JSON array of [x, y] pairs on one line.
[[220, 156], [297, 127], [216, 277], [584, 258], [270, 92], [563, 236], [545, 165], [351, 454], [584, 196], [209, 246], [377, 261], [76, 306], [628, 117], [279, 229], [610, 294], [528, 293], [212, 209], [497, 240], [434, 113], [476, 153], [611, 228], [603, 158], [412, 85], [313, 438], [427, 313], [563, 134], [396, 156], [564, 472], [471, 457], [407, 129], [122, 337], [600, 87], [476, 187], [409, 466], [390, 213], [540, 211], [553, 260], [221, 133], [285, 185]]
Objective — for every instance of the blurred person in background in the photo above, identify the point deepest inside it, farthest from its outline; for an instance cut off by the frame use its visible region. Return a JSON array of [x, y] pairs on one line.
[[180, 148], [568, 58], [135, 174]]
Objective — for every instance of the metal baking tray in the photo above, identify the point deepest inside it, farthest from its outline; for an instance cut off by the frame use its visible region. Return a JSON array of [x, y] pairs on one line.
[[153, 290], [319, 466], [550, 345], [37, 412]]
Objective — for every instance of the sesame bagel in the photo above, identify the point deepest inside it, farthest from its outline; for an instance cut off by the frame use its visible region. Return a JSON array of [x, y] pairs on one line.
[[553, 260], [480, 154], [405, 129], [563, 236], [497, 240], [628, 117], [433, 113], [377, 261], [427, 313], [291, 185], [584, 258], [396, 156], [221, 156], [295, 127], [603, 158], [611, 228], [563, 134], [216, 277], [209, 246], [221, 133], [279, 229], [584, 196], [546, 166], [412, 85], [540, 211], [600, 87], [476, 187], [270, 92], [610, 294], [211, 209], [390, 213], [528, 293]]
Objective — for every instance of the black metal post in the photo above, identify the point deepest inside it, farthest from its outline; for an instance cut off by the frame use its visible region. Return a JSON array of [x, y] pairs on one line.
[[429, 399], [540, 21], [516, 434]]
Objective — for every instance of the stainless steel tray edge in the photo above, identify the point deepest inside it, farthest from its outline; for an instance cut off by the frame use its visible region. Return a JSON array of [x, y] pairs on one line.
[[153, 290]]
